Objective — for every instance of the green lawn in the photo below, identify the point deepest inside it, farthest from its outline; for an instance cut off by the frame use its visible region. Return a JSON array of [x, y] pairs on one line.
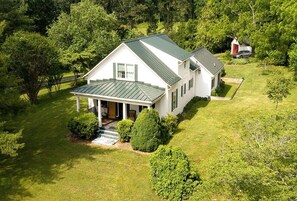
[[52, 168]]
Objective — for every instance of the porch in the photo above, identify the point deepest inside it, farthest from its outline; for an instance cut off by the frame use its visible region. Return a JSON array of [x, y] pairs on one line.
[[117, 99]]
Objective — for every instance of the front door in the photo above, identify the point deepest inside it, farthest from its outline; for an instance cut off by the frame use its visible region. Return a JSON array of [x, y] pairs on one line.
[[111, 110]]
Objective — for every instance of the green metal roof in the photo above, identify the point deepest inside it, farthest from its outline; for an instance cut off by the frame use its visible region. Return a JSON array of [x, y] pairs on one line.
[[135, 91], [210, 62], [162, 43], [153, 61]]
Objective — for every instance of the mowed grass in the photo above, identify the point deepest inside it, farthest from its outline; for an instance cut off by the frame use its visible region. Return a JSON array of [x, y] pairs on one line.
[[50, 167]]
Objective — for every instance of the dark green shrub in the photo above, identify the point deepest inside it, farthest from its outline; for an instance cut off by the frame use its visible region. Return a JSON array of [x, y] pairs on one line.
[[147, 132], [172, 175], [223, 72], [84, 125], [125, 129], [170, 123], [219, 90]]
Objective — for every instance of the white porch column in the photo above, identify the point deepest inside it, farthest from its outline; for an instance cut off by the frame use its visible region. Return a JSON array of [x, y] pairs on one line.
[[77, 104], [124, 111], [99, 113], [148, 107]]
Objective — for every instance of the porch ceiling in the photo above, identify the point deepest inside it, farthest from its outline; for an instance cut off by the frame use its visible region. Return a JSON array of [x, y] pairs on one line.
[[120, 89]]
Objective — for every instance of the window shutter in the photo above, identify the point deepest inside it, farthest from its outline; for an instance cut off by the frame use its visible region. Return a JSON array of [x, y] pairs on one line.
[[181, 91], [136, 72], [114, 70], [176, 98], [171, 101]]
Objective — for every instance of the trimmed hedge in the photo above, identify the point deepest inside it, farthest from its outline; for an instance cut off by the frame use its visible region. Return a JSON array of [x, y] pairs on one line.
[[172, 175], [125, 129], [170, 123], [147, 132], [83, 125]]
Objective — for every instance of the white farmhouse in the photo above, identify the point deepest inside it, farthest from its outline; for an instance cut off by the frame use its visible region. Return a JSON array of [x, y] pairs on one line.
[[152, 72]]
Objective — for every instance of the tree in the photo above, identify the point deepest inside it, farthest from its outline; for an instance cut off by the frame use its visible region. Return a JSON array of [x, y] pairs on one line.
[[84, 36], [30, 56], [262, 167], [13, 17], [10, 102], [293, 60], [9, 141], [43, 13], [147, 132], [278, 89], [172, 175]]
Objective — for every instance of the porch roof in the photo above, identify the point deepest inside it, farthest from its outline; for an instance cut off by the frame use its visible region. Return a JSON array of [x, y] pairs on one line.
[[120, 89]]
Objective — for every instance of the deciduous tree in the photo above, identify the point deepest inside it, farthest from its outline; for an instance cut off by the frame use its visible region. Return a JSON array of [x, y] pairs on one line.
[[84, 36], [30, 56]]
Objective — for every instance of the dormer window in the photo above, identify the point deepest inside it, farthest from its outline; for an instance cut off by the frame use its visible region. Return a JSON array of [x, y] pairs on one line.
[[125, 71]]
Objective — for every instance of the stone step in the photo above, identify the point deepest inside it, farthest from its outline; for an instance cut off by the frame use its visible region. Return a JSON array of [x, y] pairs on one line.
[[108, 134]]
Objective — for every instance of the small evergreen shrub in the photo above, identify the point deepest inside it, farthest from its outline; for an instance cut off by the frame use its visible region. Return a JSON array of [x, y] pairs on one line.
[[84, 125], [172, 176], [147, 132], [170, 123], [125, 129]]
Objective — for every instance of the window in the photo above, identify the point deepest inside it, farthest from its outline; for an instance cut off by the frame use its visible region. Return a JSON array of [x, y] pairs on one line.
[[219, 78], [181, 91], [130, 71], [141, 108], [212, 82], [174, 99], [185, 88], [191, 83], [125, 71], [121, 71]]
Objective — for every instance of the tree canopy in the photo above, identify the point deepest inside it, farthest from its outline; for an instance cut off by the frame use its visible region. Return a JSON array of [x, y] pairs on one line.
[[85, 35], [262, 167], [30, 56]]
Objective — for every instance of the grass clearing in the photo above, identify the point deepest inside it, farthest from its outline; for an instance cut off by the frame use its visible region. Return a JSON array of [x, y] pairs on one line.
[[52, 168]]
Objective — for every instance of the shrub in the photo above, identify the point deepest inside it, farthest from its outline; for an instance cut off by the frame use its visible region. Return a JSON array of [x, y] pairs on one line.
[[83, 125], [228, 56], [124, 129], [170, 123], [219, 90], [147, 132], [172, 175]]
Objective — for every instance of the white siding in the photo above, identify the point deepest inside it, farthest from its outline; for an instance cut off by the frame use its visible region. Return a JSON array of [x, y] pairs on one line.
[[123, 54], [202, 83]]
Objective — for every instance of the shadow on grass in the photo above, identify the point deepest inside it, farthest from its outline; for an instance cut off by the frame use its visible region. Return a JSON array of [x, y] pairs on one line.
[[192, 108], [226, 89], [47, 152]]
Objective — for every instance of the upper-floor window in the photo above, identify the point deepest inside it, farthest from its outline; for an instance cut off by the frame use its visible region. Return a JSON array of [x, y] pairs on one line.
[[125, 71], [191, 83]]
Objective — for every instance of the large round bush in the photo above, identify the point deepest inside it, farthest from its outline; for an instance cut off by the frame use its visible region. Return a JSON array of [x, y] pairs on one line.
[[125, 129], [172, 175], [147, 131], [83, 125]]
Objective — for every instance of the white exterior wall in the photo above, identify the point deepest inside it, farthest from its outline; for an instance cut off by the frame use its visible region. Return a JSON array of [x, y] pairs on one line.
[[123, 54], [186, 75], [202, 83]]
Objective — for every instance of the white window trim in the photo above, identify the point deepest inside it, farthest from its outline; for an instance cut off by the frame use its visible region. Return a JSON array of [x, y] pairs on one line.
[[120, 78]]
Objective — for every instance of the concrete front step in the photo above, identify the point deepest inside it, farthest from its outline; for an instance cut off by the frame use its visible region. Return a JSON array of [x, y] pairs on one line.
[[106, 137], [108, 133]]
